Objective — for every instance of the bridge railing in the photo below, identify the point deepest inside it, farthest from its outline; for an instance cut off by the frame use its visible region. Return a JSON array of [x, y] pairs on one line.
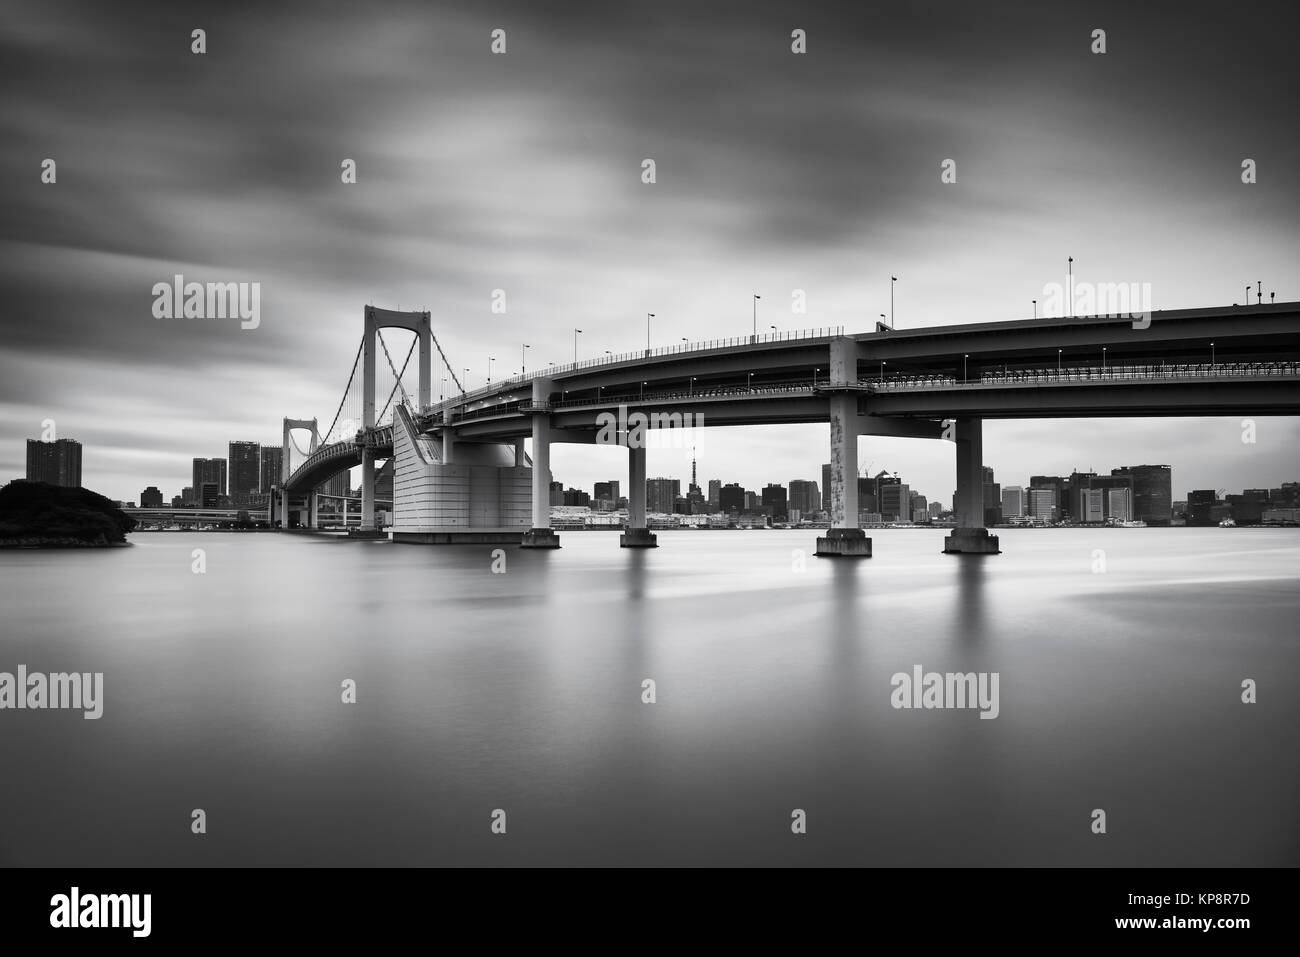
[[1161, 372], [519, 378]]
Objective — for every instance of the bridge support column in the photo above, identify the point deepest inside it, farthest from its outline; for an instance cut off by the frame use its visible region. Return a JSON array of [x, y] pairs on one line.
[[313, 509], [844, 539], [970, 537], [448, 439], [541, 535], [284, 508], [368, 490], [637, 534], [520, 457]]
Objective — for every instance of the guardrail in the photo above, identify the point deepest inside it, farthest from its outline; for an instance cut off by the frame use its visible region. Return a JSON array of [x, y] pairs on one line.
[[1118, 373], [793, 335]]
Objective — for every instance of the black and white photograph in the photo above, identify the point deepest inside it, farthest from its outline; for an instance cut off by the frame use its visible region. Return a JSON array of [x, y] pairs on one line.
[[649, 435]]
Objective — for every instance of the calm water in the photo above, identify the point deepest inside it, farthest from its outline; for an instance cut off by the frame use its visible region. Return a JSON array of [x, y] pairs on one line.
[[522, 691]]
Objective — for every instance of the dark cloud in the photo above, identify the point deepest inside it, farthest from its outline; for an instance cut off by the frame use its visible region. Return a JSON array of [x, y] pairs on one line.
[[521, 172]]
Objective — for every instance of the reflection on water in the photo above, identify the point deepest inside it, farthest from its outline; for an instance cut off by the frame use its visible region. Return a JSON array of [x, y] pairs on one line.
[[523, 691]]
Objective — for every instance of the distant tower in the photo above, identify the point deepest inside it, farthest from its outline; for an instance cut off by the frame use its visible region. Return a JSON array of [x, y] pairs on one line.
[[694, 485]]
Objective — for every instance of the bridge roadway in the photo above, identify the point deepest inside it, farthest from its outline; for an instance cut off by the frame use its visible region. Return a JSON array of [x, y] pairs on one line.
[[933, 382]]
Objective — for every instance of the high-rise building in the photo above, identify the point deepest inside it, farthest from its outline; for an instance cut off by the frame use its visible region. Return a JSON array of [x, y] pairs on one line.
[[1200, 505], [1119, 504], [209, 471], [1152, 492], [1057, 485], [209, 495], [574, 496], [661, 495], [57, 462], [188, 498], [557, 493], [774, 498], [715, 495], [895, 499], [1042, 504], [245, 463], [805, 496], [151, 498], [826, 487], [272, 460], [606, 491], [1013, 502], [1092, 506], [731, 498], [992, 498]]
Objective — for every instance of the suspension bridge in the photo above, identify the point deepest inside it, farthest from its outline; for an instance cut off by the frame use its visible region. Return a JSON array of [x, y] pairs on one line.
[[460, 471]]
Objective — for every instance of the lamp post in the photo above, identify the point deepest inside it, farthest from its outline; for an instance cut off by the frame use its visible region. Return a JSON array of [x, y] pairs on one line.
[[442, 391], [1058, 363], [523, 362], [754, 337], [490, 361], [964, 357], [882, 371], [1213, 361], [576, 332], [892, 280], [466, 385], [1259, 292], [1103, 358], [815, 371], [643, 391], [1069, 265], [749, 381], [1035, 302], [648, 317], [690, 390], [1246, 301]]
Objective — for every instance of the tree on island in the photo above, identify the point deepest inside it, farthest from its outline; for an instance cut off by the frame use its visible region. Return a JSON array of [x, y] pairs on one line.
[[40, 513]]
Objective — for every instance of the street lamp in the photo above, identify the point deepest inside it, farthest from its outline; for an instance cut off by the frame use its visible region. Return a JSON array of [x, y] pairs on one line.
[[815, 371], [575, 344], [490, 361], [643, 385], [523, 363], [466, 385], [648, 317], [443, 390], [1212, 357], [1058, 362], [1246, 302], [882, 371], [964, 357], [754, 338], [690, 390], [892, 280], [1035, 302], [773, 328], [1103, 358], [749, 381], [1069, 265]]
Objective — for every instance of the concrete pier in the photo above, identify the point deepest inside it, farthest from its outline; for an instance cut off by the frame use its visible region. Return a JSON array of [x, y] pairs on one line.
[[971, 541], [541, 535], [637, 534], [844, 543]]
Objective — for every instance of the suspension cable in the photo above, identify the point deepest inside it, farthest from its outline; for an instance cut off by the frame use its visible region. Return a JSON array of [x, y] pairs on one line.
[[399, 375], [347, 387], [391, 368]]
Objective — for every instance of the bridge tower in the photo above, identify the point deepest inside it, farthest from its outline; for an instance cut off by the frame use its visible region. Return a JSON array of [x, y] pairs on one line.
[[290, 425], [376, 319]]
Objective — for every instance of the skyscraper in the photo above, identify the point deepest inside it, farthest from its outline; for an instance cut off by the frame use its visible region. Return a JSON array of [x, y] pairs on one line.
[[57, 462], [805, 496], [272, 462], [209, 471], [774, 498], [1013, 502], [731, 498], [661, 494], [715, 495], [244, 468], [151, 497], [1152, 492], [894, 498]]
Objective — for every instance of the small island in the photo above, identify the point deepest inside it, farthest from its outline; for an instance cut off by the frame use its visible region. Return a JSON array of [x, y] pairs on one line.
[[40, 515]]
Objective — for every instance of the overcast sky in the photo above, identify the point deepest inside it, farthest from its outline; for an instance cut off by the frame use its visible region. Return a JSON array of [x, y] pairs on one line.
[[522, 172]]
